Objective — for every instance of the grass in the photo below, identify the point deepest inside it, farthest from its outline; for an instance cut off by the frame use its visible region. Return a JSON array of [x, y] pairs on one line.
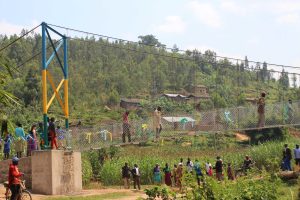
[[115, 195], [289, 190]]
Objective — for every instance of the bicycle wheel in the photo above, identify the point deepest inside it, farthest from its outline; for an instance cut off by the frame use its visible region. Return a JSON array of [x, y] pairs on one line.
[[26, 195], [7, 196]]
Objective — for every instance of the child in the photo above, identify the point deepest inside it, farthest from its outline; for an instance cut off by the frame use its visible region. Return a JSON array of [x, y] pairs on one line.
[[210, 171], [6, 149], [60, 133], [230, 172]]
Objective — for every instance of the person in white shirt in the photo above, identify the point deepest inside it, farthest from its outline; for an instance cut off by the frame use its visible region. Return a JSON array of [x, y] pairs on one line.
[[136, 174], [189, 166], [207, 166], [297, 155]]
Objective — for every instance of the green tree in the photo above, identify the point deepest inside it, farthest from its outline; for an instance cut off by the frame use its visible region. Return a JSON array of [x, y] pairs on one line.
[[284, 79]]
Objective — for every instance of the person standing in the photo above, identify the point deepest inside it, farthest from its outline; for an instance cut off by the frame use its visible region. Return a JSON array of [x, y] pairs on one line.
[[219, 168], [157, 122], [290, 112], [14, 181], [20, 140], [174, 175], [189, 166], [157, 175], [167, 171], [207, 164], [6, 149], [32, 140], [198, 171], [126, 127], [136, 174], [261, 110], [126, 176], [179, 174], [60, 136], [297, 156], [230, 173], [52, 132], [287, 157], [210, 171]]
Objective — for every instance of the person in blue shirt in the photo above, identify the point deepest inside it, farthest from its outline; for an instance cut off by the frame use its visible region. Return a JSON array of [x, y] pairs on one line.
[[20, 140], [6, 149], [198, 171]]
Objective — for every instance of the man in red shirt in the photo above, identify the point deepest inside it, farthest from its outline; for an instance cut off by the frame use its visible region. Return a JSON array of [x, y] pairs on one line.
[[126, 127], [14, 181]]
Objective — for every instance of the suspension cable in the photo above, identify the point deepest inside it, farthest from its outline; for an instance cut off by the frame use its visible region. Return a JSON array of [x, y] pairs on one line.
[[14, 41]]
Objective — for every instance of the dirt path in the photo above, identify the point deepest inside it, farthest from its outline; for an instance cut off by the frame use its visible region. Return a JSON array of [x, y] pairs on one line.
[[128, 194], [241, 137]]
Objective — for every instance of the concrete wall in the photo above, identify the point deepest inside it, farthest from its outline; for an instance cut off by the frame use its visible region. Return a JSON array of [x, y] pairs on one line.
[[49, 172], [24, 166], [56, 172]]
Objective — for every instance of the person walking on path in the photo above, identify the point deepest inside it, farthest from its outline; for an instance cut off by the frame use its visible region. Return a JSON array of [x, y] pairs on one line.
[[189, 166], [261, 110], [219, 168], [52, 132], [157, 122], [167, 171], [230, 173], [14, 181], [198, 171], [126, 176], [20, 140], [174, 170], [297, 156], [136, 175], [126, 127], [157, 175], [179, 174], [207, 164], [287, 157]]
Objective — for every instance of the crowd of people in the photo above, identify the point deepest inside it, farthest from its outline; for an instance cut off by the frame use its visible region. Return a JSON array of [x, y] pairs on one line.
[[287, 157], [33, 140], [173, 176]]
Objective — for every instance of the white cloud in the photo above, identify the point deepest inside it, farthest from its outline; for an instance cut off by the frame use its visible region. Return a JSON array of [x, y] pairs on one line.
[[205, 13], [291, 18], [254, 41], [287, 6], [231, 6], [7, 28], [172, 24]]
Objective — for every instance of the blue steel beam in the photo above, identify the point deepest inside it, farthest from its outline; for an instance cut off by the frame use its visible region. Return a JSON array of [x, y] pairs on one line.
[[56, 54], [53, 54], [53, 30]]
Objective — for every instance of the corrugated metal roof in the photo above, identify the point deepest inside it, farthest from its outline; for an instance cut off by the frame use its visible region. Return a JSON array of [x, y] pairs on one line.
[[179, 119]]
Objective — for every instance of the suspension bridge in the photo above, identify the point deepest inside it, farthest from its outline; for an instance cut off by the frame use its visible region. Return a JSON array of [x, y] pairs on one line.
[[236, 119]]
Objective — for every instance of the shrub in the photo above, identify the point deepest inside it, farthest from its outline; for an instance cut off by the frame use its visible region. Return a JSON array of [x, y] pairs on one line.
[[87, 172]]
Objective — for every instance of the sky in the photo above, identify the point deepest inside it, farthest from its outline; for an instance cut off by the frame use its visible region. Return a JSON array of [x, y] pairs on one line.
[[266, 30]]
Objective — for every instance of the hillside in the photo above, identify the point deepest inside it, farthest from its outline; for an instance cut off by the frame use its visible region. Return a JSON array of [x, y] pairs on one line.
[[102, 72]]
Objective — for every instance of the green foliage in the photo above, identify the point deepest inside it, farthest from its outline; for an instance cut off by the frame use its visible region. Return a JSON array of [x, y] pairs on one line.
[[87, 171], [162, 192]]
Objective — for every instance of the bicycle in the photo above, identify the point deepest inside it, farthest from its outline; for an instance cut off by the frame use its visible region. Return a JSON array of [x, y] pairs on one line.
[[24, 193]]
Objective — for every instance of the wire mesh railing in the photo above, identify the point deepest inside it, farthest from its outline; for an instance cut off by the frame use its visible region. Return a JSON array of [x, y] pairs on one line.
[[226, 119]]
